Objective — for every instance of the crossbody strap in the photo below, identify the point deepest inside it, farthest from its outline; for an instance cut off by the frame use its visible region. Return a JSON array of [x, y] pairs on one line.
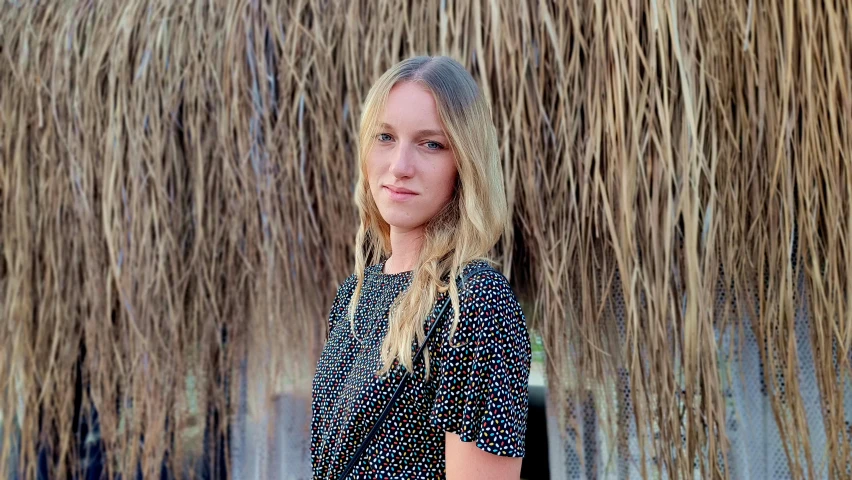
[[402, 383]]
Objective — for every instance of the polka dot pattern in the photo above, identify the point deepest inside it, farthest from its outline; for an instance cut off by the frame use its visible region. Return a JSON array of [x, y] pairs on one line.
[[478, 386]]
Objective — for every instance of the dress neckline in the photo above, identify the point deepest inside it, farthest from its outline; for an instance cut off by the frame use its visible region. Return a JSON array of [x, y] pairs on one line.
[[379, 270]]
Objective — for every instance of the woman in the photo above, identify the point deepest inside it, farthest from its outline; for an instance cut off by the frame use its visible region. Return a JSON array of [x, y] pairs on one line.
[[432, 205]]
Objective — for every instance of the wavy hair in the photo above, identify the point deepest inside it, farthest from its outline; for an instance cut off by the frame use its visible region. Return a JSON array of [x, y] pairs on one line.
[[466, 229]]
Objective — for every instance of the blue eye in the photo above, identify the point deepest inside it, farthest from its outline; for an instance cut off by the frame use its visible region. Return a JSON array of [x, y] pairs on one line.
[[384, 137], [434, 146]]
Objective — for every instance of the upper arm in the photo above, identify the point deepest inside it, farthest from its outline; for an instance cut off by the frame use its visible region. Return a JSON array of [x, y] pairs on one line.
[[467, 461]]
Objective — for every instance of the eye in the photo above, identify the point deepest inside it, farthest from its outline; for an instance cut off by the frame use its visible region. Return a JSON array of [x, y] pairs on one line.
[[434, 145], [384, 137]]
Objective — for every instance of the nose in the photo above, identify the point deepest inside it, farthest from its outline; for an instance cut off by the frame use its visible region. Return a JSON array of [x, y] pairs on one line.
[[402, 163]]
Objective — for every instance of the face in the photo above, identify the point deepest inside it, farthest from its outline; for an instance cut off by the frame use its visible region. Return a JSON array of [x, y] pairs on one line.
[[411, 168]]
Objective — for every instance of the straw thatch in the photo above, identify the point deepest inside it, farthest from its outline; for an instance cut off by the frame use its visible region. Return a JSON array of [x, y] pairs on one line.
[[175, 197]]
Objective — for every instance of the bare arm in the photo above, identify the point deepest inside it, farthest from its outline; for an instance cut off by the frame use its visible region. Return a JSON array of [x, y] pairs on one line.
[[465, 461]]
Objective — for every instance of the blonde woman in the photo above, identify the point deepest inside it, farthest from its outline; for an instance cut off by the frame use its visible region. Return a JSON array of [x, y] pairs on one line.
[[432, 205]]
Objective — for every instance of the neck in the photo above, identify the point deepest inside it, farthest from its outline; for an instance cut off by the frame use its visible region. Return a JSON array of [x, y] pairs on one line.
[[405, 247]]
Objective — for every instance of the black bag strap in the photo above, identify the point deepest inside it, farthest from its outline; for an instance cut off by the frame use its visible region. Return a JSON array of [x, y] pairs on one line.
[[402, 383]]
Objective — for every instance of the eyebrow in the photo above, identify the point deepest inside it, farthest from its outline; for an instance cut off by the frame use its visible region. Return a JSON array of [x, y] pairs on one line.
[[422, 133]]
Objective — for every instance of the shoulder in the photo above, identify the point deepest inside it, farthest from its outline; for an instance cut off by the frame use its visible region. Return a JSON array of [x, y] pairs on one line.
[[345, 290], [347, 285], [481, 286], [340, 305], [488, 305], [341, 299]]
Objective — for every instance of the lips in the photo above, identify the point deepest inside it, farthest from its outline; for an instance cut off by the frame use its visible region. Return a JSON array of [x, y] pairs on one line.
[[399, 193], [399, 190]]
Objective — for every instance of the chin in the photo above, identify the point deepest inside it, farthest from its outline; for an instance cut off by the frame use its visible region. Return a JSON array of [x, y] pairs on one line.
[[402, 221], [406, 224]]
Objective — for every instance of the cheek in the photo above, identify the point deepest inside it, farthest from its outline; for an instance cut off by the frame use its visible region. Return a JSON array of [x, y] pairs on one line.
[[373, 165], [451, 174], [445, 180], [450, 182]]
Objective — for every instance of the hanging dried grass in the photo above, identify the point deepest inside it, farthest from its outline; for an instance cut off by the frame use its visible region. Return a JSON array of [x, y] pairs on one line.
[[176, 178]]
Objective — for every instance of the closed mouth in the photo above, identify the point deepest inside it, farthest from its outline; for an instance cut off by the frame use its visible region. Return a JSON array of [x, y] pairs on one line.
[[400, 190]]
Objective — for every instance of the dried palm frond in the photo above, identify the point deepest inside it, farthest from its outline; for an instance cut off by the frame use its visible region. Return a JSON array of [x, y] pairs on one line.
[[176, 204]]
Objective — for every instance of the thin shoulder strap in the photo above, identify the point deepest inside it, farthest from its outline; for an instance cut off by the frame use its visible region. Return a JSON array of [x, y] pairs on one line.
[[402, 383]]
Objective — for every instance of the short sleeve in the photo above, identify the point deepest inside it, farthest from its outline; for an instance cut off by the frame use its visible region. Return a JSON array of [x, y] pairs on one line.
[[481, 393]]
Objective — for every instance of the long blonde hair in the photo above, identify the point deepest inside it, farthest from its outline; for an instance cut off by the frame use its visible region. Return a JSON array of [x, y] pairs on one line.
[[463, 231]]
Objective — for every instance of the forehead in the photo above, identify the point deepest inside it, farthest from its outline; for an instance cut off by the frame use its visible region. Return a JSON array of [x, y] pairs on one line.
[[411, 106]]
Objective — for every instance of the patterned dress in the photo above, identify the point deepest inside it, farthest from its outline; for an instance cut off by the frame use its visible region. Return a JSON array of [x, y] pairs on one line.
[[477, 389]]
